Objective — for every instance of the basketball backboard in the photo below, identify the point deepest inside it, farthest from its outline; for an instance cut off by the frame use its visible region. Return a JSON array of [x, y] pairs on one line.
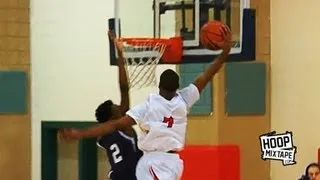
[[169, 18]]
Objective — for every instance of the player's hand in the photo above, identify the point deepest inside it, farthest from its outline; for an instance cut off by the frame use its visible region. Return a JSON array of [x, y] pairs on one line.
[[225, 45], [117, 42], [69, 134]]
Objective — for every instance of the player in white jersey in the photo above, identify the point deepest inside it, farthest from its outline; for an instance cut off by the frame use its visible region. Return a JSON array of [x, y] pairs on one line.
[[162, 119]]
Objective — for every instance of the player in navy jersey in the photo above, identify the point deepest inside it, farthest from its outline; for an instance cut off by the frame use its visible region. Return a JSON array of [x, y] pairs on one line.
[[123, 155], [121, 146]]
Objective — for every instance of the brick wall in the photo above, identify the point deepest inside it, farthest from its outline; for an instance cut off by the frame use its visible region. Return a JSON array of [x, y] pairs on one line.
[[15, 130]]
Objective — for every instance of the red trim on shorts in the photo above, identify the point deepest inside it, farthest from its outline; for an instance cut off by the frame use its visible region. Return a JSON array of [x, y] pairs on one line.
[[153, 174]]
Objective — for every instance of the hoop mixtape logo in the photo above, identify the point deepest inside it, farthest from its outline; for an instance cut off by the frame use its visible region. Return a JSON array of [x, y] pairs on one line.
[[278, 147]]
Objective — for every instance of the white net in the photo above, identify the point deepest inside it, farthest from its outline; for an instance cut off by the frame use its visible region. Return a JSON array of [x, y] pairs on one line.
[[141, 59]]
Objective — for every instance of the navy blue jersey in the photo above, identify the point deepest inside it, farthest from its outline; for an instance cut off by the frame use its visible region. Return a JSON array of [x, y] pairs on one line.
[[123, 154]]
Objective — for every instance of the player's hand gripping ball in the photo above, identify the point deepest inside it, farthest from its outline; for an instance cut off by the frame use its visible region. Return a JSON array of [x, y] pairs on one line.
[[216, 35]]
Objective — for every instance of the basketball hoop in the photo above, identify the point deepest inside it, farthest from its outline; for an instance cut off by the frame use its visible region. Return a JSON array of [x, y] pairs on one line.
[[142, 56]]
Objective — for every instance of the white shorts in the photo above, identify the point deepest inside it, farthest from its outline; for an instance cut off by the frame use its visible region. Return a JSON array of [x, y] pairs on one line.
[[159, 166]]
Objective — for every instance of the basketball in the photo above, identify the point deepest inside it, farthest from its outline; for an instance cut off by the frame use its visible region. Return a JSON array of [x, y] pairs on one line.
[[210, 34]]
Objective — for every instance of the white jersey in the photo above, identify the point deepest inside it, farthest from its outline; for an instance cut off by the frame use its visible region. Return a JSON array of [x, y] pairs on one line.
[[164, 123]]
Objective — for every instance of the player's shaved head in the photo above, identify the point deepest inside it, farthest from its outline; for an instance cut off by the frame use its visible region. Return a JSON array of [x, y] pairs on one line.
[[169, 81]]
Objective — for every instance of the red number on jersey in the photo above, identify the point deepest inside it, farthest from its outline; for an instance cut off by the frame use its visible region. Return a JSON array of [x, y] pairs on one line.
[[169, 121]]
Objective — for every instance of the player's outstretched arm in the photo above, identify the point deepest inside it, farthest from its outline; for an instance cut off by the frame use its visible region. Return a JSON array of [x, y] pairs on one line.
[[202, 80], [135, 114], [123, 79], [97, 130]]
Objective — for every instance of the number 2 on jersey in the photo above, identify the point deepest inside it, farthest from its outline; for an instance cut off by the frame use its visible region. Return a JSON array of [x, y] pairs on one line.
[[116, 153], [169, 121]]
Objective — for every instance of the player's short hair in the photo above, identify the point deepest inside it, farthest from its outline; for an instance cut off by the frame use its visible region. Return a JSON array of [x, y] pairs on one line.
[[104, 111], [169, 80]]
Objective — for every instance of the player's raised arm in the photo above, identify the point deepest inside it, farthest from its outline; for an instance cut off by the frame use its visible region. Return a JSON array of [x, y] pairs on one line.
[[202, 80], [123, 80]]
